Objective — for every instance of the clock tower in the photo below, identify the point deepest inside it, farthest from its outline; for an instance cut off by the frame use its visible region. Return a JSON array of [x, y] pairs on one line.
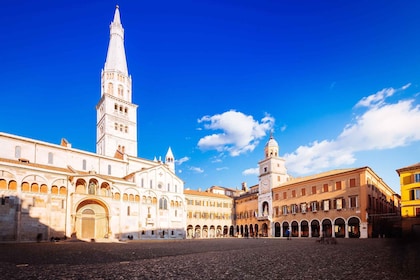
[[272, 173]]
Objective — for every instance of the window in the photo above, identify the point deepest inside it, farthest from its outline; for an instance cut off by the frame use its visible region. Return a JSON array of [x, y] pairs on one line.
[[163, 204], [284, 195], [353, 201], [151, 183], [313, 189], [415, 194], [417, 178], [338, 185], [116, 126], [326, 205], [128, 211], [84, 164], [176, 188], [314, 206], [339, 203], [303, 192], [116, 107], [293, 193], [352, 183], [276, 197], [303, 207], [50, 158], [325, 188], [276, 211], [18, 150], [284, 210], [294, 208], [109, 169]]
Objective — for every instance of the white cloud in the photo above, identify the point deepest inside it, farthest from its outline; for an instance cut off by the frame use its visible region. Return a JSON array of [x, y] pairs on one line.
[[380, 126], [238, 133], [251, 171], [196, 169], [222, 168], [182, 160]]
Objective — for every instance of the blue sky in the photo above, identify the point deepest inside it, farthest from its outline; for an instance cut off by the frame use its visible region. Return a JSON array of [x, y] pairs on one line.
[[337, 81]]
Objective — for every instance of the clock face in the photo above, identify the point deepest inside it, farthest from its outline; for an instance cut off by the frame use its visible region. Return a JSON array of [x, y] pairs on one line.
[[264, 185]]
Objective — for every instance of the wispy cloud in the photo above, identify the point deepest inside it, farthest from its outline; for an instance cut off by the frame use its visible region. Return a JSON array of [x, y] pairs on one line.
[[238, 133], [379, 126], [182, 160], [251, 171], [196, 169], [222, 168]]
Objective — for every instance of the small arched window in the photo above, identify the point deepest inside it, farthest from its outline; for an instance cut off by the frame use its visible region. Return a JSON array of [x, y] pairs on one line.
[[163, 204]]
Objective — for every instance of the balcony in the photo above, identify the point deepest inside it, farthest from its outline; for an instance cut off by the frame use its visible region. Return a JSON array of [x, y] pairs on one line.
[[264, 218]]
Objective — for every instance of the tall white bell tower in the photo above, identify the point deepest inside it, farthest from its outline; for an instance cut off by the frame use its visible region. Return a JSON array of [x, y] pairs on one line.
[[116, 125]]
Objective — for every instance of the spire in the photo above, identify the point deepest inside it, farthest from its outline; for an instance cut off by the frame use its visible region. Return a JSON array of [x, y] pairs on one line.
[[115, 59], [169, 160]]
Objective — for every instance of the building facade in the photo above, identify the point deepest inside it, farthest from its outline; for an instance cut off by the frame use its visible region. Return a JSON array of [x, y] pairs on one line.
[[410, 199], [209, 214], [339, 203], [55, 191]]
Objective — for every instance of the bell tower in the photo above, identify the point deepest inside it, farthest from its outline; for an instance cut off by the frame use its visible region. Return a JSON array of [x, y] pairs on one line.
[[272, 173], [116, 125]]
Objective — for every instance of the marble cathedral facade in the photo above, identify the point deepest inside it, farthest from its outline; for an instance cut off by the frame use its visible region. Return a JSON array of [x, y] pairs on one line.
[[56, 191]]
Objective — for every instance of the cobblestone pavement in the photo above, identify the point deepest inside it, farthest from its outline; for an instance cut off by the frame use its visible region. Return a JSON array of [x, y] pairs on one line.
[[229, 258]]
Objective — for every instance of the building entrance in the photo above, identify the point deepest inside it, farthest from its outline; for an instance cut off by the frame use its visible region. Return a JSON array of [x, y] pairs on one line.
[[92, 220]]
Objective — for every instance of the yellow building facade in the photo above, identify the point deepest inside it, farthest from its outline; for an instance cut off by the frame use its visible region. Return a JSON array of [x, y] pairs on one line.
[[209, 214], [410, 198]]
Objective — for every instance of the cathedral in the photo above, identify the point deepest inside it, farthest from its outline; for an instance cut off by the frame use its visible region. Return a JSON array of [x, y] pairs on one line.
[[50, 191]]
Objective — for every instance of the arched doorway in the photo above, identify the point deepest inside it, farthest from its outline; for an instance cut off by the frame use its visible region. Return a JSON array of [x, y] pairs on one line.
[[92, 220], [315, 228], [354, 227], [304, 229], [197, 232], [277, 231], [256, 230], [285, 228], [295, 229], [231, 231], [326, 228], [251, 231], [225, 231], [190, 231], [264, 230], [339, 228], [205, 233]]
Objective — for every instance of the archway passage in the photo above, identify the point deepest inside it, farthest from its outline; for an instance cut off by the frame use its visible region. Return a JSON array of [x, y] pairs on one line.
[[354, 227], [264, 230], [277, 229], [92, 220]]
